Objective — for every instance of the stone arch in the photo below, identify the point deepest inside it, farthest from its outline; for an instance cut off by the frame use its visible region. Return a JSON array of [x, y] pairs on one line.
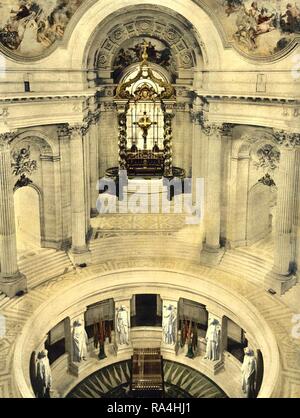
[[45, 144], [249, 180], [81, 41], [258, 213], [43, 180], [121, 31], [28, 202]]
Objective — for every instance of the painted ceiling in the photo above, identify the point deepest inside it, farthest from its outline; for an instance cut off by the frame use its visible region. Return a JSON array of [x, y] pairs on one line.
[[28, 28]]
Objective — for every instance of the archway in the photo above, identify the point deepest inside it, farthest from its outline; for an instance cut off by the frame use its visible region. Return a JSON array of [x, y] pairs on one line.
[[27, 217], [259, 222]]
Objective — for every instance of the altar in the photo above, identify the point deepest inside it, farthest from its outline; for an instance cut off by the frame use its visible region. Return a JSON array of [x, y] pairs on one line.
[[145, 163], [145, 101]]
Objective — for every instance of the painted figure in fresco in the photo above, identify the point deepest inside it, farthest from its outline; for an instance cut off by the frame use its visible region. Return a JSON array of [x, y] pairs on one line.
[[122, 325], [249, 373], [290, 20], [35, 26], [43, 375], [134, 54], [80, 340], [231, 6], [265, 22], [257, 20], [213, 339]]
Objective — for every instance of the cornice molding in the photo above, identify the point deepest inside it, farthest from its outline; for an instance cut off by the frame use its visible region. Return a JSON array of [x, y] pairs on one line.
[[251, 99], [36, 97]]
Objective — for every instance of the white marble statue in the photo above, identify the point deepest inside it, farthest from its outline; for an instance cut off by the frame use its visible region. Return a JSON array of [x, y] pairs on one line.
[[213, 338], [43, 375], [80, 340], [122, 324], [169, 324], [249, 368]]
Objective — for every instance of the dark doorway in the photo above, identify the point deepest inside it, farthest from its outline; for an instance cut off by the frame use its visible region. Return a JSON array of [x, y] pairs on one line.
[[260, 371], [146, 311]]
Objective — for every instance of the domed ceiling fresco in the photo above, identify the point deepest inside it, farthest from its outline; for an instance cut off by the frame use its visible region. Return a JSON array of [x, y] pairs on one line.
[[28, 28]]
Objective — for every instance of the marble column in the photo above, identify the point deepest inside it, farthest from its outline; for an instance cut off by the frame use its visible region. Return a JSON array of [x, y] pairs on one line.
[[283, 251], [169, 324], [197, 171], [86, 164], [79, 252], [122, 325], [11, 280], [94, 162], [108, 137], [183, 137], [212, 252], [64, 148], [213, 204], [297, 214]]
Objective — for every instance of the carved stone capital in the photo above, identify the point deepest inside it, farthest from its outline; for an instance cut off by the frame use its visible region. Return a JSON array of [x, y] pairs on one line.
[[5, 139], [227, 129], [212, 128], [222, 129], [94, 117], [63, 131], [182, 107], [197, 118], [78, 129], [107, 107], [286, 139]]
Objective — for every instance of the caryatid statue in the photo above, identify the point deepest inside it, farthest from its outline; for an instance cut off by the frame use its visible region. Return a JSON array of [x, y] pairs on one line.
[[213, 339], [249, 369], [169, 324], [43, 375], [122, 325], [80, 340]]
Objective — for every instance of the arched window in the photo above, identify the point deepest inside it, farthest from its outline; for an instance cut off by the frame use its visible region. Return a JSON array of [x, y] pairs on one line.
[[145, 107]]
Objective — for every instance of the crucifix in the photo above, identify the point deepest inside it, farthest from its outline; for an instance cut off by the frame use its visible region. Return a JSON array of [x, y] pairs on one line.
[[145, 124]]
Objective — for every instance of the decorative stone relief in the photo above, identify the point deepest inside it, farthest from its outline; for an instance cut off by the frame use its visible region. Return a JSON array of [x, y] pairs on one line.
[[171, 44], [23, 166], [287, 139], [267, 157]]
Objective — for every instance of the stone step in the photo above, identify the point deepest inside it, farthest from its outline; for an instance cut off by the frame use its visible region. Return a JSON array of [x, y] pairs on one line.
[[4, 300], [246, 265], [142, 246], [248, 260], [45, 265]]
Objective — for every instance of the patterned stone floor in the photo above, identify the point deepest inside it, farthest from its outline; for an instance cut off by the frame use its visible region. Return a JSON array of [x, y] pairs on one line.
[[114, 382]]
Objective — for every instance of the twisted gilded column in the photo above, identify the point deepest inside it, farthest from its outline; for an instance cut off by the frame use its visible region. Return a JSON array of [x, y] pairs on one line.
[[122, 141], [79, 251], [283, 251], [11, 280]]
